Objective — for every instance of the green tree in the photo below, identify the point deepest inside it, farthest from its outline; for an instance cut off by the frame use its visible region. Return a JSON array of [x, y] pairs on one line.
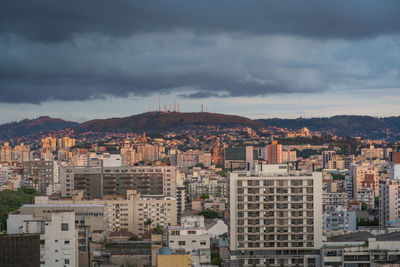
[[11, 201], [364, 206], [204, 196], [338, 176], [147, 223], [216, 259], [209, 214], [158, 229], [367, 222]]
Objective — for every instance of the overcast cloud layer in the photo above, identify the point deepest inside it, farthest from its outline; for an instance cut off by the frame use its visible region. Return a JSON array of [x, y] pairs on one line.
[[83, 50]]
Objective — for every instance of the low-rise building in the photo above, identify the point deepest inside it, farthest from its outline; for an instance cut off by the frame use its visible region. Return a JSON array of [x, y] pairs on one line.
[[191, 236], [361, 249], [339, 219]]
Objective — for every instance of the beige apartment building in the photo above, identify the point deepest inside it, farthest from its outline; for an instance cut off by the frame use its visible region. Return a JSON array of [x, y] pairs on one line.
[[130, 213], [275, 216], [365, 176]]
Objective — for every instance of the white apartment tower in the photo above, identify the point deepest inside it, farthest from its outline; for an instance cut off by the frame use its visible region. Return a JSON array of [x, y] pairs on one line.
[[389, 201], [275, 216]]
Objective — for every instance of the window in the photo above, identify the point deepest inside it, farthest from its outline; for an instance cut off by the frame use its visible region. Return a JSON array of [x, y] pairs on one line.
[[64, 227], [182, 243], [66, 261], [66, 242], [175, 233], [202, 243], [42, 242]]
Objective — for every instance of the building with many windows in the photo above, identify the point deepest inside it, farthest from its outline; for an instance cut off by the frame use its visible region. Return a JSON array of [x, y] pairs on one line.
[[58, 237], [275, 216], [130, 213], [389, 201], [99, 181]]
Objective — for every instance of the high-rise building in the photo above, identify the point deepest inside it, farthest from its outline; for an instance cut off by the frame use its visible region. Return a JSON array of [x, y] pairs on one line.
[[39, 174], [99, 181], [192, 158], [218, 156], [274, 153], [66, 142], [239, 157], [6, 153], [289, 155], [326, 157], [21, 153], [275, 216], [128, 154], [394, 165], [49, 144], [364, 176], [58, 238], [389, 201], [147, 152]]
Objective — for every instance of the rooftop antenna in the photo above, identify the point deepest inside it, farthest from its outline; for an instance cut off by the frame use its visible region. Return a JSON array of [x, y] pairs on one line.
[[159, 105], [202, 108], [178, 107]]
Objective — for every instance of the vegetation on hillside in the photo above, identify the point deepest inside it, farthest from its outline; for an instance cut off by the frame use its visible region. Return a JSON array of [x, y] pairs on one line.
[[12, 200]]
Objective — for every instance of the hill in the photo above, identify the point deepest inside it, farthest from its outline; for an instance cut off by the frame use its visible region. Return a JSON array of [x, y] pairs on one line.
[[28, 127], [344, 125], [159, 121]]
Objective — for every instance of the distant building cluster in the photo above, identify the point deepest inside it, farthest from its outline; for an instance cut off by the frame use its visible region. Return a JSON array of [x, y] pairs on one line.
[[201, 197]]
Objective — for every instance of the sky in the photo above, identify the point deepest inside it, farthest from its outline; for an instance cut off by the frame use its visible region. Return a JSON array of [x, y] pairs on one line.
[[81, 60]]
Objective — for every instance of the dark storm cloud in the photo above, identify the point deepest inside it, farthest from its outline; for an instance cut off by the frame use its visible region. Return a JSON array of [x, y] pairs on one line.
[[82, 50], [31, 89], [51, 21], [203, 94]]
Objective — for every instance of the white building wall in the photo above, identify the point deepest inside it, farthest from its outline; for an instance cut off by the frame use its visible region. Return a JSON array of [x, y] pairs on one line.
[[60, 246], [15, 222]]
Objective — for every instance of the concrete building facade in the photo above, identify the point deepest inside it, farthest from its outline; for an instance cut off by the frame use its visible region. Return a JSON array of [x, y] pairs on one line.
[[275, 216]]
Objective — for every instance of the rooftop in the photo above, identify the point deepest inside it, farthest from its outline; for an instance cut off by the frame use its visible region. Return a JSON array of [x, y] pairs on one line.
[[353, 237], [62, 205], [395, 236]]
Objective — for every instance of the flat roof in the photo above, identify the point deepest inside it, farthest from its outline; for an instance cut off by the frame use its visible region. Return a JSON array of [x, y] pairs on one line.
[[63, 205], [352, 237], [395, 236]]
